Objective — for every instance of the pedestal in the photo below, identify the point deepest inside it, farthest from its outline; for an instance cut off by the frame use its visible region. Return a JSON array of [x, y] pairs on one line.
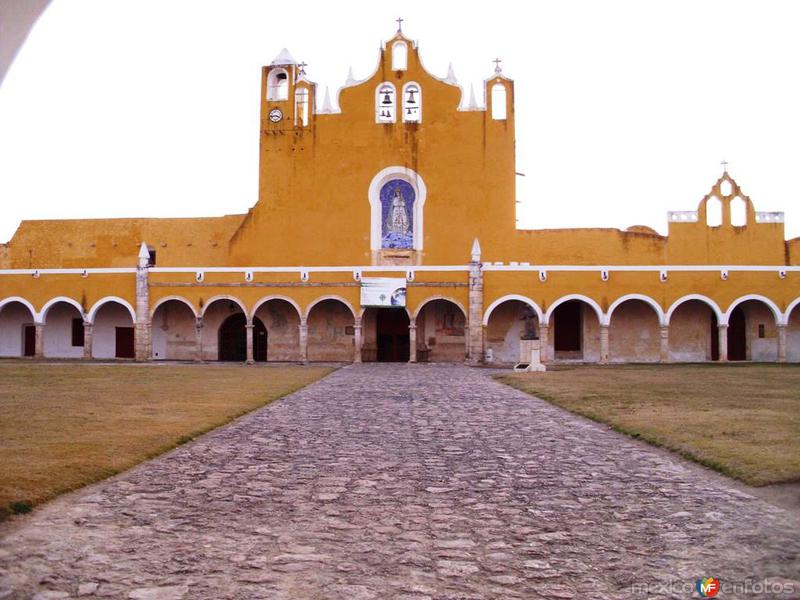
[[530, 358]]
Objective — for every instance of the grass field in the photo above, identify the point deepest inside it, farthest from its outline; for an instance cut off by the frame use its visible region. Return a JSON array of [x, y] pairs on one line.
[[63, 426], [742, 420]]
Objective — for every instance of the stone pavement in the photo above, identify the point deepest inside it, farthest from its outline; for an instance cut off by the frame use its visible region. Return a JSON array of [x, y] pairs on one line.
[[408, 482]]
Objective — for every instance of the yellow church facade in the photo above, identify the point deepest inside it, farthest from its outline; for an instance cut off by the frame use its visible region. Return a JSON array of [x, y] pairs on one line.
[[385, 229]]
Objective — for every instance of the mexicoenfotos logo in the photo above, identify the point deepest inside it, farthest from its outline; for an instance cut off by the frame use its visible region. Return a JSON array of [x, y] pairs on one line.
[[707, 587]]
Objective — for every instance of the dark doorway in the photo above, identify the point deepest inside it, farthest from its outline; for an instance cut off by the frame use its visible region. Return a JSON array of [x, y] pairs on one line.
[[29, 348], [233, 339], [392, 333], [124, 342], [714, 336], [568, 324], [737, 335]]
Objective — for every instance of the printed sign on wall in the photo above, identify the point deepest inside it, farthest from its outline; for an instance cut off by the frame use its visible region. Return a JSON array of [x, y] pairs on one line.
[[383, 291]]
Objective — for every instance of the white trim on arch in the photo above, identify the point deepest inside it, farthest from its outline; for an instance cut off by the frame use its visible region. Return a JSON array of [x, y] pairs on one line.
[[213, 299], [776, 312], [166, 299], [66, 300], [721, 319], [21, 300], [430, 299], [90, 316], [646, 299], [330, 297], [374, 196], [792, 305], [568, 297], [506, 298], [266, 299]]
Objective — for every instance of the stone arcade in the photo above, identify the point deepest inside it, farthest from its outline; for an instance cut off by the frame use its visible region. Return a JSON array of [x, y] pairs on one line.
[[407, 183]]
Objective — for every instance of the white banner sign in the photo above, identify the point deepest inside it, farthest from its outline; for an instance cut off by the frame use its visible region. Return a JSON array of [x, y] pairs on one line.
[[383, 291]]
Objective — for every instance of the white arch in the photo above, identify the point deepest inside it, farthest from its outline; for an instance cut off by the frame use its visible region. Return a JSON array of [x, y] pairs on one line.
[[50, 303], [214, 299], [776, 312], [508, 297], [166, 299], [432, 298], [568, 297], [705, 299], [90, 316], [266, 299], [331, 297], [374, 195], [789, 310], [646, 299], [10, 299]]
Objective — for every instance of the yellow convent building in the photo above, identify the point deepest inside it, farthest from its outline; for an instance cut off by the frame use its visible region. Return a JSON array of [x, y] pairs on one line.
[[385, 230]]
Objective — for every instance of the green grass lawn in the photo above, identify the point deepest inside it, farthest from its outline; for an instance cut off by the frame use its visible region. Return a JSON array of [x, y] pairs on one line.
[[743, 420], [64, 426]]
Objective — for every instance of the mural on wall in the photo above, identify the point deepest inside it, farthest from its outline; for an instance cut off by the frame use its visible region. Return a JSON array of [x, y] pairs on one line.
[[397, 206]]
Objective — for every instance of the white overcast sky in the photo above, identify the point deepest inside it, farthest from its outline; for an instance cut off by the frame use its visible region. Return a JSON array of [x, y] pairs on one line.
[[624, 108]]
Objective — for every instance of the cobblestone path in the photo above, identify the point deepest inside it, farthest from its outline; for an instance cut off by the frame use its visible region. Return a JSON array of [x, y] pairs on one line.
[[408, 482]]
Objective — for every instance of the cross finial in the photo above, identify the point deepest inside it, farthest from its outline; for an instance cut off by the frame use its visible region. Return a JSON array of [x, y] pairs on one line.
[[724, 164], [400, 24], [497, 62], [302, 66]]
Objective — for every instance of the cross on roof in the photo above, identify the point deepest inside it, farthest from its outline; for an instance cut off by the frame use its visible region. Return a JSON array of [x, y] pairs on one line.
[[724, 164], [399, 24], [302, 66], [497, 62]]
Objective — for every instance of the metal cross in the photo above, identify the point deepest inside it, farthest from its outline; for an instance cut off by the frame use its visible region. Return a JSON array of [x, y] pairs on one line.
[[302, 66], [400, 24], [497, 62], [724, 164]]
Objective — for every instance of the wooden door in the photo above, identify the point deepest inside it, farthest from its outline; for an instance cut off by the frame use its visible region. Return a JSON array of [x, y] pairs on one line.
[[124, 342], [29, 345]]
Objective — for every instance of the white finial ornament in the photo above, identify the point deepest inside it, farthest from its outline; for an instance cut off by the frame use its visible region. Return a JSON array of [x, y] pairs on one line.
[[144, 255], [451, 76], [326, 103], [350, 79], [473, 105], [476, 251]]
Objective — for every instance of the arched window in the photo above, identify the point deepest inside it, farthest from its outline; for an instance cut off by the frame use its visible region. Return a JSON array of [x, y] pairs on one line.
[[713, 212], [278, 85], [385, 103], [399, 56], [412, 103], [301, 106], [498, 102], [738, 212]]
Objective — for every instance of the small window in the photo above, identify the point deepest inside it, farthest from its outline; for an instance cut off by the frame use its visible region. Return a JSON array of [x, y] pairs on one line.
[[278, 85], [713, 212], [301, 106], [151, 258], [399, 56], [77, 332], [498, 102], [738, 212], [385, 103], [412, 103]]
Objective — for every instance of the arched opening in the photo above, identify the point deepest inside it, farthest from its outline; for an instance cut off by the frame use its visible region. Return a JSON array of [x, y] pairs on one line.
[[793, 335], [278, 85], [232, 339], [693, 332], [385, 335], [634, 333], [412, 103], [738, 212], [399, 56], [509, 322], [441, 332], [173, 331], [17, 330], [282, 323], [301, 106], [63, 334], [713, 212], [214, 315], [499, 110], [331, 331], [576, 332], [385, 103], [113, 331], [752, 332]]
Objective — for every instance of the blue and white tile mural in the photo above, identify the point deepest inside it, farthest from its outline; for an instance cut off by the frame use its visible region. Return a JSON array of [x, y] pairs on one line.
[[397, 212]]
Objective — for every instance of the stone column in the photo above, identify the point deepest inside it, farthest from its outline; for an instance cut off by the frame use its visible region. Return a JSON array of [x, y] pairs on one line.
[[38, 346], [723, 342], [142, 337], [87, 340], [664, 344], [603, 344], [412, 341], [475, 310], [544, 341], [198, 339], [303, 340], [781, 343], [249, 331], [357, 341]]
